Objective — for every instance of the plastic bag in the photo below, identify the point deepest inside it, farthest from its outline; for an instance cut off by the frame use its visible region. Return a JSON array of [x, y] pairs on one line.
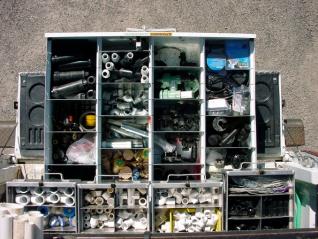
[[82, 151]]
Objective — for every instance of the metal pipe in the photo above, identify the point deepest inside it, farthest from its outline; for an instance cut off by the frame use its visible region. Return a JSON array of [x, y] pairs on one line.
[[124, 132], [71, 88], [60, 77]]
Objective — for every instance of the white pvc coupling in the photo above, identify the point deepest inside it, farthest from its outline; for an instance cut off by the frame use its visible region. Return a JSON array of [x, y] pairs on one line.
[[144, 79], [68, 201], [37, 191], [142, 202], [68, 191], [22, 199], [144, 70], [115, 57], [53, 198], [37, 200], [86, 217], [105, 58], [99, 201], [105, 74], [89, 198], [109, 66]]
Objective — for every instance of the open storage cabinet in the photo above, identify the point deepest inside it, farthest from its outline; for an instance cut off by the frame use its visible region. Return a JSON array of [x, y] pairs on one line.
[[144, 108], [259, 199]]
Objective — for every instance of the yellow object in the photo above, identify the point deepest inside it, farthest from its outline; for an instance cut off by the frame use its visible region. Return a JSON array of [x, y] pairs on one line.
[[118, 165], [218, 225], [90, 120]]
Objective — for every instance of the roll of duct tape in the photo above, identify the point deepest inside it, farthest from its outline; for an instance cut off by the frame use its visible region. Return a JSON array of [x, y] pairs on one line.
[[22, 199]]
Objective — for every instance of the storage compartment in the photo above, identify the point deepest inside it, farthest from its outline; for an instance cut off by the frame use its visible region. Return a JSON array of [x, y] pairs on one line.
[[128, 164], [192, 207], [244, 225], [55, 200]]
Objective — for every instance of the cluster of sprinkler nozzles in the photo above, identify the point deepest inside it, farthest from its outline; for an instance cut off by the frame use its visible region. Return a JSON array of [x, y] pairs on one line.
[[185, 196], [40, 196], [201, 220], [121, 69]]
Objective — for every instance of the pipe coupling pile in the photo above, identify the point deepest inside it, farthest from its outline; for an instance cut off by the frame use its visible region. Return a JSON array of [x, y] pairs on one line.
[[133, 197], [188, 196], [98, 212], [125, 67], [49, 196], [135, 220]]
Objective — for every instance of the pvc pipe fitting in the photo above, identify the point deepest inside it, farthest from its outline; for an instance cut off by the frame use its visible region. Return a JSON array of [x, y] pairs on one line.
[[162, 201], [138, 225], [68, 191], [86, 225], [107, 210], [53, 198], [105, 58], [22, 199], [37, 191], [129, 56], [115, 57], [52, 190], [86, 217], [105, 195], [171, 201], [185, 201], [105, 74], [124, 214], [110, 190], [207, 213], [100, 211], [19, 190], [185, 192], [111, 216], [109, 66], [142, 202], [99, 201], [111, 202], [96, 193], [103, 217], [171, 192], [86, 210], [94, 222], [144, 70], [37, 200], [127, 224], [68, 201], [92, 211], [109, 224], [144, 79]]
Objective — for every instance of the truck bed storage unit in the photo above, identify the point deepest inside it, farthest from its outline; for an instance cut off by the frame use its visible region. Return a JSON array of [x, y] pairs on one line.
[[259, 200], [151, 110]]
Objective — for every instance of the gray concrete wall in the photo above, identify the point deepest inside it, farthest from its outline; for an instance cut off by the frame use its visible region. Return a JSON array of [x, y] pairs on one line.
[[286, 32]]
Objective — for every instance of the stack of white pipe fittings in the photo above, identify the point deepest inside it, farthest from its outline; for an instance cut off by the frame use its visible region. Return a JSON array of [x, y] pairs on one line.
[[132, 219], [39, 196], [203, 220], [186, 196], [96, 215], [16, 225], [133, 197]]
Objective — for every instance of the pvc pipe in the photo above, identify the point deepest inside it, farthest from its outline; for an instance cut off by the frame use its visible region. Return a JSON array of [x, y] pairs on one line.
[[109, 66], [115, 57], [53, 198], [68, 201], [22, 199], [68, 191], [105, 58], [86, 225], [37, 191], [37, 200], [144, 70], [6, 224], [171, 201], [21, 190]]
